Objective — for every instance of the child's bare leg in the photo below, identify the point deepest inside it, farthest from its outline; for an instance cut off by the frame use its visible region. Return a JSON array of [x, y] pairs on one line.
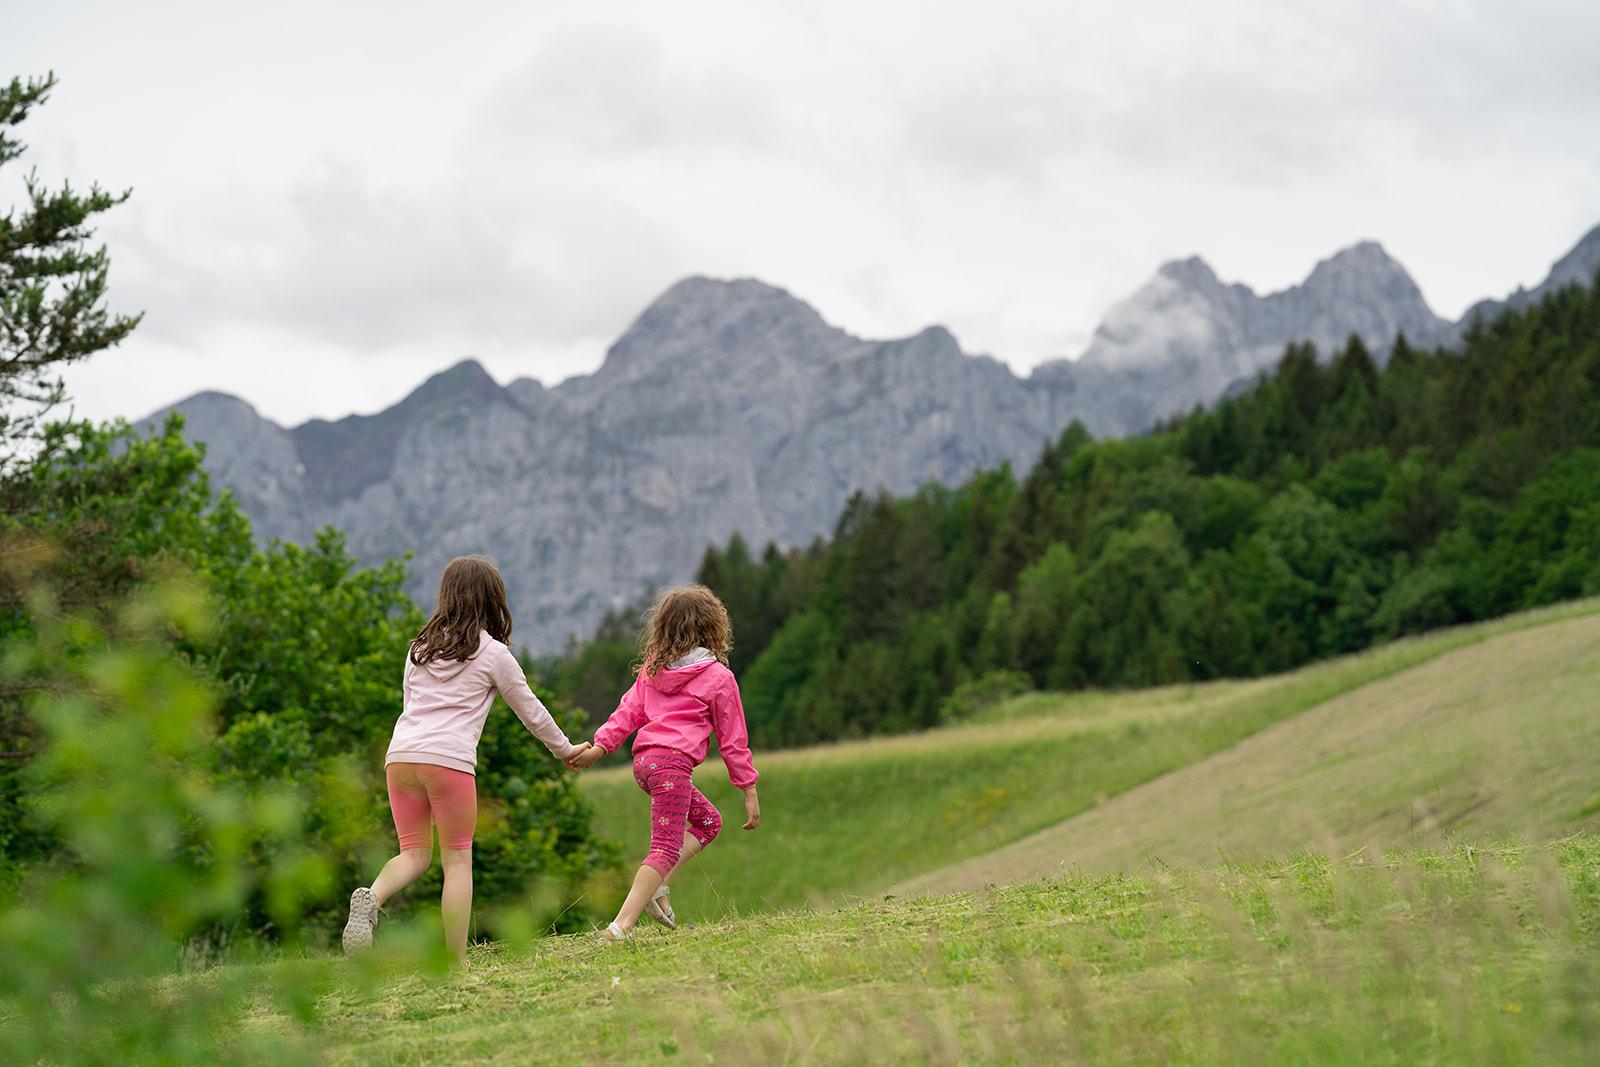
[[691, 847], [645, 884], [400, 872], [456, 901]]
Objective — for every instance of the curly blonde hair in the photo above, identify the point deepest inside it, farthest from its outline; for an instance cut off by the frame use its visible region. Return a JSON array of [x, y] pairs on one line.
[[684, 618]]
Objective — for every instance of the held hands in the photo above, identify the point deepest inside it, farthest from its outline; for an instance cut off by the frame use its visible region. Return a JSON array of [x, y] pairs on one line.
[[752, 809], [586, 756]]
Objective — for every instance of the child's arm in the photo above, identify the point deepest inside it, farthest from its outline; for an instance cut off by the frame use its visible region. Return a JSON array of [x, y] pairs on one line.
[[512, 684], [752, 809], [733, 742], [628, 717]]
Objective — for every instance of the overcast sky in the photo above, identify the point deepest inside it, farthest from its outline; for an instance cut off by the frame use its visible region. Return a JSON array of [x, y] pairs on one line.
[[333, 200]]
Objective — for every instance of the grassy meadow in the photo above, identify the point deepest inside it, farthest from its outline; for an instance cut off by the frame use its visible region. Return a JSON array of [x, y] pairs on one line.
[[1463, 955], [862, 817], [1389, 858]]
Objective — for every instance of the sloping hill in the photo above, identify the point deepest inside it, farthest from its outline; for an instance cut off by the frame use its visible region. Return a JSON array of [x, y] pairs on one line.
[[1493, 740], [1501, 713], [1457, 956], [1470, 951]]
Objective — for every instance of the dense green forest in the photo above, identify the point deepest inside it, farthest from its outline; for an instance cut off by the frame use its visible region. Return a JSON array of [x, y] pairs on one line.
[[1336, 504]]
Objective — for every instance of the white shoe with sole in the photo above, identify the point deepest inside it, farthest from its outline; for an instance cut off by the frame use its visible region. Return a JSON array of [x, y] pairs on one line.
[[363, 919], [615, 933], [660, 909]]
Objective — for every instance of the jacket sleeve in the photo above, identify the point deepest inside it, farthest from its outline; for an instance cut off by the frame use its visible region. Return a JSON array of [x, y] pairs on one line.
[[733, 742], [628, 717], [512, 684]]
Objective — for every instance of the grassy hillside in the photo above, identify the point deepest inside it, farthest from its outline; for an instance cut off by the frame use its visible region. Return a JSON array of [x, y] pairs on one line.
[[1478, 949], [862, 817], [1463, 956], [1490, 741]]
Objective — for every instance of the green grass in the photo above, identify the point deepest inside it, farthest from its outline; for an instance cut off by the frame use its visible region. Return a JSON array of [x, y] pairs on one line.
[[857, 818], [1440, 899], [1495, 740], [1454, 956]]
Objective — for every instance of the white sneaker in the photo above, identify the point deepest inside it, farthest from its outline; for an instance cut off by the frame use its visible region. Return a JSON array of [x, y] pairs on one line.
[[615, 933], [363, 919], [660, 909]]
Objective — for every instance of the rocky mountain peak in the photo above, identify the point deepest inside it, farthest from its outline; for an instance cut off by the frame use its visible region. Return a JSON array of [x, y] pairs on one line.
[[935, 337], [1363, 267], [1178, 312], [732, 405], [467, 380], [720, 330], [1578, 265], [1192, 273], [725, 314]]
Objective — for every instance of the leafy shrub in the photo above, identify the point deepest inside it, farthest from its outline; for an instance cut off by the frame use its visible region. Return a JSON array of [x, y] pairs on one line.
[[150, 848], [972, 697], [302, 658]]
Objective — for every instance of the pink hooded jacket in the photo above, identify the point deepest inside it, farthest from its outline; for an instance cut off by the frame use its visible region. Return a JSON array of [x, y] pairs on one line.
[[679, 708]]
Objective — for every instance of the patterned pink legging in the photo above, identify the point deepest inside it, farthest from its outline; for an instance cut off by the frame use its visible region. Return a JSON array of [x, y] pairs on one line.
[[675, 805]]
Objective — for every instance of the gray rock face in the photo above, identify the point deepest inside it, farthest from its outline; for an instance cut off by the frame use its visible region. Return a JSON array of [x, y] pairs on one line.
[[1578, 266], [252, 456], [1184, 338], [732, 406]]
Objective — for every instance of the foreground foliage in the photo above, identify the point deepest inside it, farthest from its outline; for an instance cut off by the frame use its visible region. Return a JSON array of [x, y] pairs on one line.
[[150, 849], [301, 658]]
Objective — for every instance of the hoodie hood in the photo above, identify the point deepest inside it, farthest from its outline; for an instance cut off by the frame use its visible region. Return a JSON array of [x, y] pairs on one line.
[[681, 672]]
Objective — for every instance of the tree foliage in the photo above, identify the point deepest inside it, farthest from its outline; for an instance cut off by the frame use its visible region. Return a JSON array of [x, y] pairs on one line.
[[52, 279], [302, 660]]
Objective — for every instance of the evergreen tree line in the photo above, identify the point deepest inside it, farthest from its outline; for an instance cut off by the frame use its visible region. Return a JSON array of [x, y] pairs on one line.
[[1336, 504]]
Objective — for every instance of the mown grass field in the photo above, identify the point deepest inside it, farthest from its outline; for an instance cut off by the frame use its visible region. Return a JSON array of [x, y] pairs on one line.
[[1498, 740], [1498, 736], [1470, 955]]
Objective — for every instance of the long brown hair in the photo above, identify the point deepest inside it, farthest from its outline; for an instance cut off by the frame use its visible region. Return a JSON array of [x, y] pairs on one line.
[[472, 597], [684, 618]]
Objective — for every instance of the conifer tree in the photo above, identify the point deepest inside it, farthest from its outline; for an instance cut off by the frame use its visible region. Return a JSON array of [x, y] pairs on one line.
[[52, 281]]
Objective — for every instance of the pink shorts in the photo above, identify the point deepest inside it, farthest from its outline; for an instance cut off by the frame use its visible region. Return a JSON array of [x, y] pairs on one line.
[[422, 795]]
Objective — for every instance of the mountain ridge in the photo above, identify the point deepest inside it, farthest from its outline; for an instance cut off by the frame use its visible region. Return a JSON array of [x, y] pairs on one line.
[[735, 406]]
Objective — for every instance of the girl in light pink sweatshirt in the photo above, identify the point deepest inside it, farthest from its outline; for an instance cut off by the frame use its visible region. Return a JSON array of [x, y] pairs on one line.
[[454, 668], [683, 693]]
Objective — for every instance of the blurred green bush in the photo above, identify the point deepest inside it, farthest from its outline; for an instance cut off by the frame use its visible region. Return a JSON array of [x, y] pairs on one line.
[[149, 848]]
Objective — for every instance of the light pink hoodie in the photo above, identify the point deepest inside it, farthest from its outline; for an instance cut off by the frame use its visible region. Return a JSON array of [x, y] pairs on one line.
[[678, 708], [447, 701]]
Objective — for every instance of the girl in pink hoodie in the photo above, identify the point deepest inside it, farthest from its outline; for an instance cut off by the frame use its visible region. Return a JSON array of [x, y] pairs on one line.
[[683, 693], [454, 668]]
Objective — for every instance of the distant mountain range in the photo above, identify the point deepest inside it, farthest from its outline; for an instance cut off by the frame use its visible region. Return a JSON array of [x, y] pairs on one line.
[[732, 405]]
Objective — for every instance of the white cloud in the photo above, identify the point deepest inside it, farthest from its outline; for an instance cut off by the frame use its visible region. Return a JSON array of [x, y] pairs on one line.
[[607, 89], [384, 185]]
